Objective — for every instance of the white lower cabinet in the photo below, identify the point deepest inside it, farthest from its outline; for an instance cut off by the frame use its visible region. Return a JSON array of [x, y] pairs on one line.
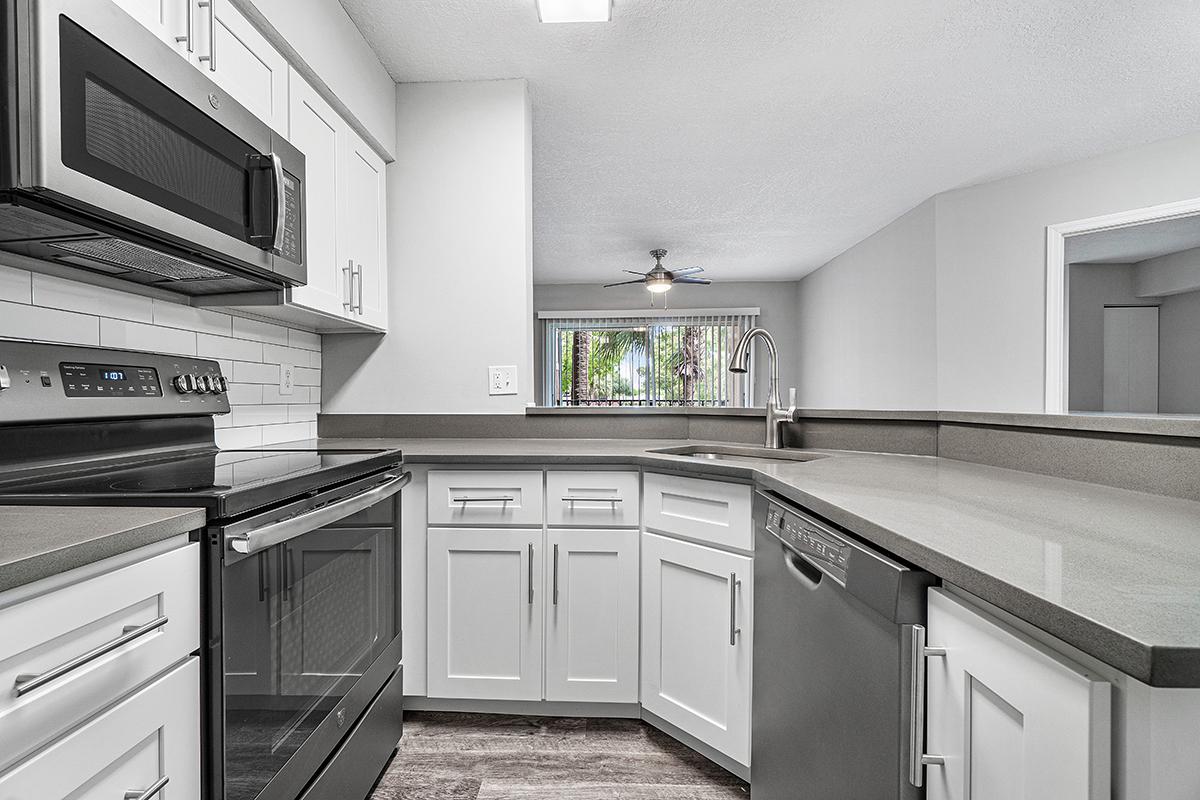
[[592, 616], [150, 739], [485, 613], [1012, 719], [696, 641]]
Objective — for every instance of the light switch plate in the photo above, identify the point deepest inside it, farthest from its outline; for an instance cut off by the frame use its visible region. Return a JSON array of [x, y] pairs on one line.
[[502, 380], [287, 378]]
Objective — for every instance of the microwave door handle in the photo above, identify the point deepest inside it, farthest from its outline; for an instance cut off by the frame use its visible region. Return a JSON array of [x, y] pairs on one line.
[[279, 532], [277, 205]]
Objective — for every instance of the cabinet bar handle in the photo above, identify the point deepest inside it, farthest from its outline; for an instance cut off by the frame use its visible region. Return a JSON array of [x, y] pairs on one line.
[[480, 498], [555, 574], [734, 630], [918, 759], [211, 58], [576, 499], [25, 683], [153, 789], [187, 37], [530, 573], [360, 288], [348, 272]]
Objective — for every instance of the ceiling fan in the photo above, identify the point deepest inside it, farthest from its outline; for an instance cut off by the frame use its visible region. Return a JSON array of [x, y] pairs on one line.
[[660, 279]]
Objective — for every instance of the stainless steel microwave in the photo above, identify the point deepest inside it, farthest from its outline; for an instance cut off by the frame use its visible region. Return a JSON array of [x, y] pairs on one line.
[[119, 157]]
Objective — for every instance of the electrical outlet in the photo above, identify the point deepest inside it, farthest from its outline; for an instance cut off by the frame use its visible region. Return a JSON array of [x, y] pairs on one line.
[[502, 380], [287, 378]]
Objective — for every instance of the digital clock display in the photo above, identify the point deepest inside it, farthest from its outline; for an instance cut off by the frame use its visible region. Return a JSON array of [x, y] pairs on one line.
[[112, 375]]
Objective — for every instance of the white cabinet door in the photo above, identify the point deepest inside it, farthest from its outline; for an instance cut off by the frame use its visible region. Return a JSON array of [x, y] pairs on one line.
[[166, 19], [1013, 720], [362, 237], [592, 616], [318, 132], [696, 641], [241, 61], [485, 613]]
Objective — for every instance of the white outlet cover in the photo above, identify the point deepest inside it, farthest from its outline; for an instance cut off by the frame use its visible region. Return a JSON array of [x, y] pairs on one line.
[[287, 379], [502, 380]]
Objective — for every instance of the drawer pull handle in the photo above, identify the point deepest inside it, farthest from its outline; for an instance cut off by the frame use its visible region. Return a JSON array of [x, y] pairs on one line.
[[572, 499], [26, 683], [480, 498], [153, 789]]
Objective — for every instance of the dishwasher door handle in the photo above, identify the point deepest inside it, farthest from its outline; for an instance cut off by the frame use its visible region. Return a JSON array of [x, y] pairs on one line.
[[801, 569]]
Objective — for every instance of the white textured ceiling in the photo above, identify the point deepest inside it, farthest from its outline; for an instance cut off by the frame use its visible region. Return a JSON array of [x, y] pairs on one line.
[[760, 138]]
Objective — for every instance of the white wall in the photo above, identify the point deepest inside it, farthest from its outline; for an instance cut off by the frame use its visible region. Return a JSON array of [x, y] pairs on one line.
[[775, 299], [50, 309], [866, 333], [990, 243], [460, 257], [323, 36], [1172, 273]]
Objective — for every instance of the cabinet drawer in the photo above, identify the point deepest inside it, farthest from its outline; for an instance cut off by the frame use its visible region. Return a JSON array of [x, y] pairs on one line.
[[485, 497], [708, 511], [132, 747], [111, 615], [592, 498]]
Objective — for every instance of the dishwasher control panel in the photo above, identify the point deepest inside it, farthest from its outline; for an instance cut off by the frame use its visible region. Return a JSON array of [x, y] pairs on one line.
[[825, 549]]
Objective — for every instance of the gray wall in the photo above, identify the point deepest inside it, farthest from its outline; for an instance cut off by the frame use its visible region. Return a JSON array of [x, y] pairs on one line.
[[777, 301], [1179, 354], [1092, 287], [867, 335], [990, 256]]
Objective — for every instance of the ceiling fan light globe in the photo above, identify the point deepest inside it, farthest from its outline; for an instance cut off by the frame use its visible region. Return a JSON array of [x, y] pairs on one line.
[[658, 286]]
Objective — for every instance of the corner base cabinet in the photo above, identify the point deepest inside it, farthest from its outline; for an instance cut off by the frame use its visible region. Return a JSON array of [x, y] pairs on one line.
[[1011, 719], [696, 641]]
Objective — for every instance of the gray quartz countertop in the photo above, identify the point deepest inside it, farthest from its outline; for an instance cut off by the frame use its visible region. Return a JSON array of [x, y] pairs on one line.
[[39, 541], [1113, 572]]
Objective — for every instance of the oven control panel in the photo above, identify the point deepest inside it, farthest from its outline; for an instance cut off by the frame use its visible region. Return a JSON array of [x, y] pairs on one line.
[[49, 383]]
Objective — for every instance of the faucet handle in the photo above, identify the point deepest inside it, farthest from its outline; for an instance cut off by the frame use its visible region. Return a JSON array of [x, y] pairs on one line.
[[792, 397]]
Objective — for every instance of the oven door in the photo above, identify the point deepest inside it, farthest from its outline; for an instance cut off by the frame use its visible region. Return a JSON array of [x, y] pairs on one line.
[[309, 634], [114, 123]]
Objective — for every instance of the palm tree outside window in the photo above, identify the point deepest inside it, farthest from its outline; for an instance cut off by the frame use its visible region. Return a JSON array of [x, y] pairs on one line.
[[664, 358]]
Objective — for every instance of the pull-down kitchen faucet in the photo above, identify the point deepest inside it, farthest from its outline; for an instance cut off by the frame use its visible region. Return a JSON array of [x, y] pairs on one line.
[[739, 362]]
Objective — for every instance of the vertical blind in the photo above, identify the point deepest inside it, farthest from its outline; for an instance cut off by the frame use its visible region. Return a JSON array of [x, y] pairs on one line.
[[676, 358]]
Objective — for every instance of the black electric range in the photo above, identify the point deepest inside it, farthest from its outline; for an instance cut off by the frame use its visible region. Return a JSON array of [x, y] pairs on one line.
[[299, 558]]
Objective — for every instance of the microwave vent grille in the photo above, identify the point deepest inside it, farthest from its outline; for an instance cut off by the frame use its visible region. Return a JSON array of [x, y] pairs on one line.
[[120, 253]]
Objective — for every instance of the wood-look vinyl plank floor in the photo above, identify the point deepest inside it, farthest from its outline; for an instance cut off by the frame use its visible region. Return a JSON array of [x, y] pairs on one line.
[[445, 756]]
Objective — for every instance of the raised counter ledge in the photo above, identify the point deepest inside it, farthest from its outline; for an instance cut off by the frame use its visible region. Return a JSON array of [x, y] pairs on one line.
[[39, 541]]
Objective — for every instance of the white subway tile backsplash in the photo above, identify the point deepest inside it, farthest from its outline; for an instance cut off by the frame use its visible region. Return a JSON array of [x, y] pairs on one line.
[[46, 308], [257, 331], [274, 434], [245, 372], [48, 325], [16, 285], [210, 346], [50, 291], [200, 320], [140, 336], [304, 340]]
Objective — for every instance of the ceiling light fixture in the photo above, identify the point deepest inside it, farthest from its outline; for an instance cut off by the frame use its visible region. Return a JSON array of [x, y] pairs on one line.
[[574, 10]]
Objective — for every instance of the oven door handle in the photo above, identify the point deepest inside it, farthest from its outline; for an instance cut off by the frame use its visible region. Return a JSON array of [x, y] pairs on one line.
[[290, 528]]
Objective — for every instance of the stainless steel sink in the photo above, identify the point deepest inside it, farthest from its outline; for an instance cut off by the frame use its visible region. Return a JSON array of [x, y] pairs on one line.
[[710, 452]]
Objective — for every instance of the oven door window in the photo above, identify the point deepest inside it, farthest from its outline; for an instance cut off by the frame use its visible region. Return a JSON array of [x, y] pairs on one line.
[[302, 621], [123, 127]]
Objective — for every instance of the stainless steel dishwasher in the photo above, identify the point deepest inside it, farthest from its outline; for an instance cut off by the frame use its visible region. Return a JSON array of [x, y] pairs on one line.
[[833, 638]]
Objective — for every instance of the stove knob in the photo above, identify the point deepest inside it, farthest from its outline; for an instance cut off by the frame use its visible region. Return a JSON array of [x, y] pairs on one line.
[[220, 385], [203, 384], [184, 384]]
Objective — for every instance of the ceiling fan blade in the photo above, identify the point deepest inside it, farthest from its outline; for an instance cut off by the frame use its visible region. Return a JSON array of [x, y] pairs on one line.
[[634, 272], [698, 281], [622, 283], [687, 271]]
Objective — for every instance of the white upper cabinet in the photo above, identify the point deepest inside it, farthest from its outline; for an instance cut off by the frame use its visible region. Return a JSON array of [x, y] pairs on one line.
[[318, 132], [1012, 719], [167, 19], [362, 243], [241, 61]]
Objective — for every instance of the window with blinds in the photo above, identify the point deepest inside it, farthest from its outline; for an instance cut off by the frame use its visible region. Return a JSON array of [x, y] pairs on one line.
[[662, 358]]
